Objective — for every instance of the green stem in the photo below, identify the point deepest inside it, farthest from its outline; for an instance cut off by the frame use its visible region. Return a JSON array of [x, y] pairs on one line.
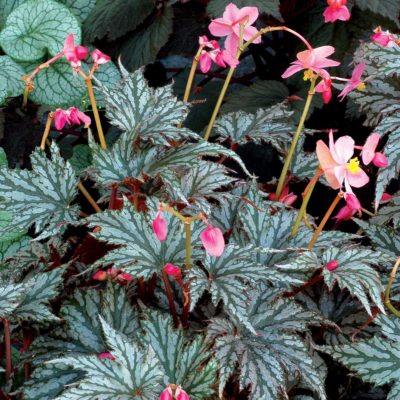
[[46, 131], [306, 198], [388, 287], [188, 242], [191, 75], [296, 137], [324, 221]]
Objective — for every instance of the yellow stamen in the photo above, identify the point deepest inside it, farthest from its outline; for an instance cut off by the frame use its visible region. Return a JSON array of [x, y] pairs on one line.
[[353, 165], [361, 86], [308, 75]]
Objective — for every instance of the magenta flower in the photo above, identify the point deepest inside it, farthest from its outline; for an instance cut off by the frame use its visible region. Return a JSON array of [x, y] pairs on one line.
[[337, 10], [180, 394], [229, 26], [313, 59], [172, 270], [332, 265], [385, 39], [99, 57], [160, 227], [386, 197], [344, 214], [338, 165], [213, 240], [70, 116], [353, 203], [74, 54], [355, 81], [325, 87], [124, 277], [368, 153], [61, 118], [214, 53], [105, 356]]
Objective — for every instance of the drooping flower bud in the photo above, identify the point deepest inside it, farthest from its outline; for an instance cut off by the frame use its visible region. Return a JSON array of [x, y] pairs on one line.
[[213, 240], [180, 394], [99, 57], [160, 226], [353, 203], [104, 356], [344, 214], [172, 270], [167, 394], [380, 160], [386, 197], [332, 265]]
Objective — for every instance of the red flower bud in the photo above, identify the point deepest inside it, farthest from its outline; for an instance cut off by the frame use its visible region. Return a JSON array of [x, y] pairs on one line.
[[172, 270], [160, 227], [332, 265], [380, 160], [100, 276]]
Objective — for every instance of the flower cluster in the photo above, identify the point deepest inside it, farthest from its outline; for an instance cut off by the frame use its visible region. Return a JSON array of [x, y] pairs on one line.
[[70, 116], [115, 274]]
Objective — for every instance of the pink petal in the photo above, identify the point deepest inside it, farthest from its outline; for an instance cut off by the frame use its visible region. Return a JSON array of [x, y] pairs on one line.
[[60, 119], [381, 38], [103, 356], [249, 32], [220, 27], [205, 62], [126, 277], [332, 265], [99, 57], [166, 394], [231, 13], [213, 241], [232, 44], [353, 202], [330, 14], [380, 160], [180, 394], [344, 147], [69, 44], [368, 151], [344, 214], [251, 13], [81, 52], [160, 227], [347, 89], [324, 51], [343, 14], [357, 72], [230, 59], [291, 71], [172, 270], [358, 179], [340, 174], [327, 164]]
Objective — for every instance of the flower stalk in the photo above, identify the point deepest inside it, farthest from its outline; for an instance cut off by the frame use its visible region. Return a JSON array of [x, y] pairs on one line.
[[7, 343], [170, 296], [389, 286], [46, 132], [192, 75]]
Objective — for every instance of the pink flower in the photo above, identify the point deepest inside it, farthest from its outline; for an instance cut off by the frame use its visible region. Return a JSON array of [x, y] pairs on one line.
[[100, 276], [229, 26], [160, 226], [314, 60], [325, 87], [355, 81], [338, 165], [167, 394], [337, 10], [125, 277], [213, 54], [344, 214], [99, 57], [285, 197], [369, 154], [172, 270], [74, 54], [213, 240], [77, 117], [104, 356], [386, 197], [180, 394], [61, 118], [352, 202], [385, 39], [332, 265]]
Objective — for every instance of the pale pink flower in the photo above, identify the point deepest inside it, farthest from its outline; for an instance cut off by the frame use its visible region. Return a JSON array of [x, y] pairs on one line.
[[355, 81], [160, 226], [172, 270], [99, 57], [214, 53], [229, 26], [104, 356], [338, 165], [385, 39], [313, 59], [325, 87], [368, 153], [285, 197], [337, 10], [74, 54], [332, 265], [213, 240], [77, 117]]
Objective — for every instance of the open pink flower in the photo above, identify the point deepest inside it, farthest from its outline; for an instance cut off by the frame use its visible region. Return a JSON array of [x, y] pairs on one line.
[[213, 240], [385, 39], [214, 53], [325, 87], [338, 165], [160, 227], [74, 54], [99, 57], [368, 153], [355, 81], [61, 118], [337, 10], [229, 26], [313, 59], [70, 116]]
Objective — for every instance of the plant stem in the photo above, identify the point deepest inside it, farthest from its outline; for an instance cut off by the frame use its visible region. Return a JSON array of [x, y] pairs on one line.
[[306, 198], [186, 305], [188, 242], [388, 287], [371, 214], [89, 198], [192, 75], [96, 114], [7, 342], [46, 130], [324, 221], [306, 285], [296, 137], [170, 296]]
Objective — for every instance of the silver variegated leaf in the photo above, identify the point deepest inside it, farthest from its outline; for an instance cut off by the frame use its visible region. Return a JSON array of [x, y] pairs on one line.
[[355, 273], [389, 213], [389, 9], [42, 196], [11, 296]]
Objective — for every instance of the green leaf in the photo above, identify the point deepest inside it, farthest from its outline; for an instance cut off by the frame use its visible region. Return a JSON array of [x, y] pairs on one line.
[[58, 86], [135, 373], [271, 7], [152, 114], [6, 6], [182, 361], [38, 27], [80, 8], [271, 125], [11, 247], [3, 158], [304, 164], [389, 213], [266, 359], [42, 196], [81, 158], [10, 297], [11, 74], [6, 219], [144, 46], [355, 273], [389, 9], [114, 18]]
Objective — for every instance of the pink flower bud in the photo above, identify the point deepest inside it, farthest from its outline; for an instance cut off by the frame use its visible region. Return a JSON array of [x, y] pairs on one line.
[[104, 356], [382, 38], [172, 270], [180, 394], [125, 277], [100, 276], [344, 214], [160, 226], [167, 394], [99, 57], [386, 197], [353, 203], [213, 240], [77, 117], [380, 160], [61, 118], [332, 265], [337, 3]]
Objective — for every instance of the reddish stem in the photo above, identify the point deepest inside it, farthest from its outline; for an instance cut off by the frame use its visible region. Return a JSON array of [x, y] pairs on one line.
[[170, 296], [186, 302], [7, 342], [113, 204], [311, 282]]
